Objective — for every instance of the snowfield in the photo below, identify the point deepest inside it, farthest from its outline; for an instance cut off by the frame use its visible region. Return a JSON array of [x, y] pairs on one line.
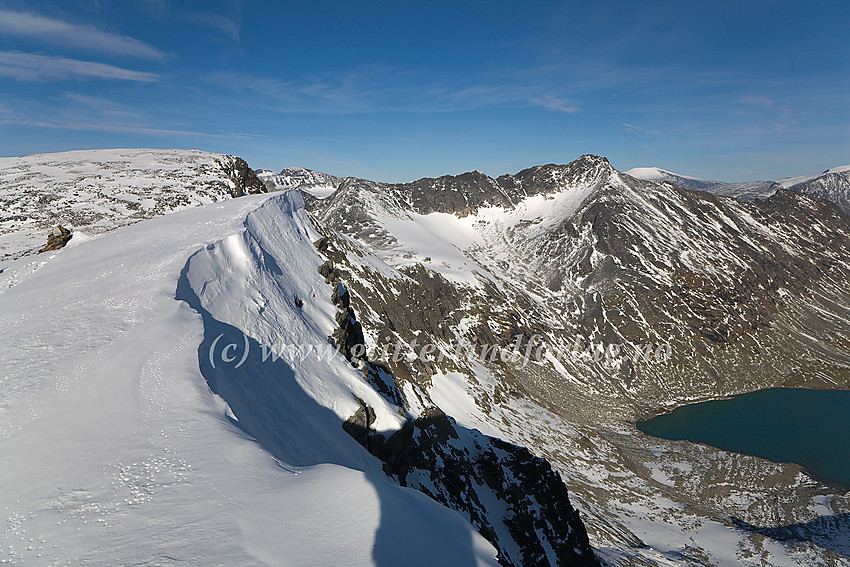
[[116, 451], [94, 191]]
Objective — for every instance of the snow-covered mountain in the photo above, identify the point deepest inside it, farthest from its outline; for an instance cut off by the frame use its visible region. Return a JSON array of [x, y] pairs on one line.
[[311, 183], [251, 375], [597, 267], [746, 190], [658, 174], [93, 191], [831, 185]]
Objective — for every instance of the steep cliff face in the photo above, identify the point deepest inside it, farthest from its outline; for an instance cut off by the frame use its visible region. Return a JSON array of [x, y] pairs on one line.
[[514, 499]]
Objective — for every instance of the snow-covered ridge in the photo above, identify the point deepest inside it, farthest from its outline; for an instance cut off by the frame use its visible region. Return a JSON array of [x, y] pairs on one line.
[[120, 454], [250, 280], [791, 181], [657, 174], [94, 191]]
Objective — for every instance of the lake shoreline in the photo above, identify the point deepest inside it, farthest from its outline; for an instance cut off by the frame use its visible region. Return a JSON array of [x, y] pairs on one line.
[[702, 422]]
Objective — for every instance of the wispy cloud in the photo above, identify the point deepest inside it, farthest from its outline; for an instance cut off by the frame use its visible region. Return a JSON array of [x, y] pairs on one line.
[[75, 111], [34, 67], [351, 92], [633, 129], [80, 104], [375, 89], [229, 27], [766, 112], [565, 87], [94, 126], [558, 104], [762, 101], [154, 8], [80, 36], [224, 18]]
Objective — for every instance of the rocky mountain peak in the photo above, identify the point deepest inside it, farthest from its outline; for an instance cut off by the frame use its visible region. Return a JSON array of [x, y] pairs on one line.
[[551, 178], [313, 183], [460, 194]]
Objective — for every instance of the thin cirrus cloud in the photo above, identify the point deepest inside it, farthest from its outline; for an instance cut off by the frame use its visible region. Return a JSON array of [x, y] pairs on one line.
[[66, 34], [385, 90], [557, 104], [228, 27], [762, 101], [38, 68], [126, 129]]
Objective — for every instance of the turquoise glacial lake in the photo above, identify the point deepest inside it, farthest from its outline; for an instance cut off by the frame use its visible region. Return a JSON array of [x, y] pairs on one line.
[[807, 427]]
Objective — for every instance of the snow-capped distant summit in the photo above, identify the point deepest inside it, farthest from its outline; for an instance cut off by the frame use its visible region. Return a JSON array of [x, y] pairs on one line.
[[788, 182], [658, 174], [747, 190], [831, 185], [314, 183]]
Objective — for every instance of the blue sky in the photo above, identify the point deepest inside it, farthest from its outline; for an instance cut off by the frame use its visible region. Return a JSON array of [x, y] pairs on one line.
[[399, 90]]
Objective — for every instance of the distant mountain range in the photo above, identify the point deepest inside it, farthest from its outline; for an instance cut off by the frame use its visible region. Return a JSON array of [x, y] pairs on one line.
[[830, 185], [313, 183]]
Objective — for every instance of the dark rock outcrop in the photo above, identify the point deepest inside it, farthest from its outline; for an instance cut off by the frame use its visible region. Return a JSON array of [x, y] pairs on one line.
[[57, 238], [534, 522], [244, 179], [348, 337]]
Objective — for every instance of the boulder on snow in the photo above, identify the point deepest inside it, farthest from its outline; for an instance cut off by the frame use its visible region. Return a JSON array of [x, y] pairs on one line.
[[56, 238]]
